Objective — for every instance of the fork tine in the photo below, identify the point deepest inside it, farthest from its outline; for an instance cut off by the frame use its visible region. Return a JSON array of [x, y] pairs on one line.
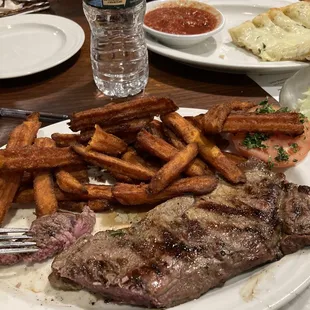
[[13, 230], [12, 237], [18, 250], [5, 244]]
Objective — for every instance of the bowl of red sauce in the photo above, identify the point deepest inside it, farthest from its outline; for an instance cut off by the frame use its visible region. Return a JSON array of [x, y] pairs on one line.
[[181, 23]]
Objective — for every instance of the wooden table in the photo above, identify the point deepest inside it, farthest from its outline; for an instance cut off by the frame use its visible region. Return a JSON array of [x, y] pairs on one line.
[[69, 87]]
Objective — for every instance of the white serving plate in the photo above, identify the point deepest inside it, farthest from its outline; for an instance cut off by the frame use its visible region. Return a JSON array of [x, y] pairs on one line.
[[218, 52], [36, 42], [265, 288]]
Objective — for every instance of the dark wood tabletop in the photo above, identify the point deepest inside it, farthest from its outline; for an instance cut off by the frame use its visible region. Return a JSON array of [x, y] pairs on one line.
[[69, 87]]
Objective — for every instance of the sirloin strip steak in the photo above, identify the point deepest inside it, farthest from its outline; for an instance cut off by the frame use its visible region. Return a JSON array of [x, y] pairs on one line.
[[54, 233], [186, 246]]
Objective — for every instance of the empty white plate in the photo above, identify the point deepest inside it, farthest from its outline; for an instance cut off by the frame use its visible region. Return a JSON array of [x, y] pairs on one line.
[[33, 43]]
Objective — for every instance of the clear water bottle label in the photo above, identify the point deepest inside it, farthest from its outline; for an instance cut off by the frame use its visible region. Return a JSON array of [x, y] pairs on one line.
[[113, 4]]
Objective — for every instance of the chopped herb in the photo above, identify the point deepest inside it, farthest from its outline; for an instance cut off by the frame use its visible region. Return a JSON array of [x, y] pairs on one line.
[[302, 118], [294, 147], [283, 110], [270, 163], [265, 108], [264, 45], [282, 155], [115, 233], [265, 101], [254, 140], [295, 160], [259, 51]]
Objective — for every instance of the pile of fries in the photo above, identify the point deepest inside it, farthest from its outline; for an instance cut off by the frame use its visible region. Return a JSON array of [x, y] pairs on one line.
[[150, 160]]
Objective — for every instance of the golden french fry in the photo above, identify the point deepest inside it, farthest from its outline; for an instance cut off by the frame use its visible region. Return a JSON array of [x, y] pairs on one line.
[[173, 168], [21, 136], [106, 143], [207, 149], [130, 194], [115, 164], [43, 185]]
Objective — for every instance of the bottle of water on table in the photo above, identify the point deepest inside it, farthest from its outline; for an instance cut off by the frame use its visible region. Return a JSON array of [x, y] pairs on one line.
[[118, 51]]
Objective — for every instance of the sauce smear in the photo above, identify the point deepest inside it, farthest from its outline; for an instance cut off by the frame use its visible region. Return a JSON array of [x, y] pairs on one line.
[[180, 20]]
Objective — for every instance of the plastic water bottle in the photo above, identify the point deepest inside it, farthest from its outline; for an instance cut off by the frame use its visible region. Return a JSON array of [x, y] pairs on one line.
[[118, 51]]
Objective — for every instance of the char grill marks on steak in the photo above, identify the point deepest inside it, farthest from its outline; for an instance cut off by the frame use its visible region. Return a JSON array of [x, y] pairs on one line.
[[54, 233], [186, 246]]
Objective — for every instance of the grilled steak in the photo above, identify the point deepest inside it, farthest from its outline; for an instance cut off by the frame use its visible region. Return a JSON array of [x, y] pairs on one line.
[[187, 246], [53, 234]]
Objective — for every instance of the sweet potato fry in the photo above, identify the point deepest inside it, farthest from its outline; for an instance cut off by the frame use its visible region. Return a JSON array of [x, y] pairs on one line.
[[198, 167], [214, 120], [122, 130], [21, 136], [173, 168], [287, 123], [77, 206], [94, 192], [114, 164], [133, 125], [241, 105], [68, 183], [33, 158], [27, 179], [155, 128], [131, 156], [78, 171], [106, 143], [116, 113], [163, 150], [65, 139], [25, 195], [207, 150], [237, 159], [43, 185], [121, 177], [129, 194]]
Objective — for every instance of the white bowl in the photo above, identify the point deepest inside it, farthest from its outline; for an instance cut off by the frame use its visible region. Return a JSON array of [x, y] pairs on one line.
[[180, 40], [293, 89]]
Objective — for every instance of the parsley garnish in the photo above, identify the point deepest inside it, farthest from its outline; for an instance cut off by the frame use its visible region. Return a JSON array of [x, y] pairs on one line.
[[295, 160], [270, 163], [115, 233], [254, 140], [282, 155], [265, 108], [283, 110], [294, 147], [302, 118]]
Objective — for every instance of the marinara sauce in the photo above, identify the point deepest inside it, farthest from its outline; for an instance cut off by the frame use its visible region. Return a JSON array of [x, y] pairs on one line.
[[180, 20]]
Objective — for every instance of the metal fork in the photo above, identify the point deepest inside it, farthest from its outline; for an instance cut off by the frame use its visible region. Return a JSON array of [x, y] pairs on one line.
[[16, 241]]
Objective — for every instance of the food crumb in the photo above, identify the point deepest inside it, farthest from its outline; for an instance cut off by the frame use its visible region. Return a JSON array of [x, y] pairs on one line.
[[222, 56], [18, 285]]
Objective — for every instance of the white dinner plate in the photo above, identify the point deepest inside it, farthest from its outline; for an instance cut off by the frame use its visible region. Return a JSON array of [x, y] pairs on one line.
[[265, 288], [218, 52], [36, 42]]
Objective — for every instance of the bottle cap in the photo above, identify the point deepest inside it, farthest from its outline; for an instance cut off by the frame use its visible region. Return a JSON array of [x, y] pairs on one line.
[[113, 4]]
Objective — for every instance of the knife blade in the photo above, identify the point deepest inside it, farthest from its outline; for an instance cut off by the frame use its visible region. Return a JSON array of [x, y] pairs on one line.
[[44, 116]]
